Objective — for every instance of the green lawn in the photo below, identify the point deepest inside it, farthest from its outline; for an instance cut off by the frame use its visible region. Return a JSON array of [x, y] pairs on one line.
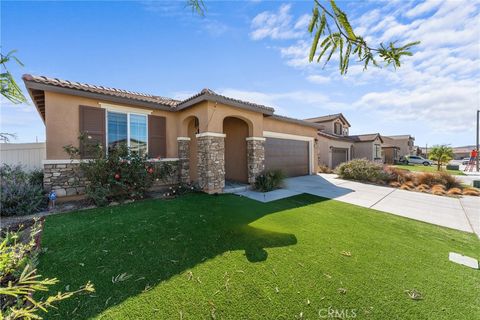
[[227, 257], [422, 168]]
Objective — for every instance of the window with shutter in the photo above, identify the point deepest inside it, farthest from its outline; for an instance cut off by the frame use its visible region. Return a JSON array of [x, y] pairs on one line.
[[92, 125], [157, 137]]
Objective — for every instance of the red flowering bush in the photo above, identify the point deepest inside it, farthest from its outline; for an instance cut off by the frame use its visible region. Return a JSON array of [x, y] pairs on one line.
[[122, 174]]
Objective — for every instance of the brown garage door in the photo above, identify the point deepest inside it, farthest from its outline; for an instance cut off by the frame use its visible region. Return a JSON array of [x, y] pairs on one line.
[[339, 155], [290, 156]]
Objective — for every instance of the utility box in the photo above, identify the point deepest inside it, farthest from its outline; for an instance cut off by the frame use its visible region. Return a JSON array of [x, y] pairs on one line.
[[453, 167]]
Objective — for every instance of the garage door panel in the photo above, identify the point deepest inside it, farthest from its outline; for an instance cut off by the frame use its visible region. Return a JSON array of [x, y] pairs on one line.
[[290, 156]]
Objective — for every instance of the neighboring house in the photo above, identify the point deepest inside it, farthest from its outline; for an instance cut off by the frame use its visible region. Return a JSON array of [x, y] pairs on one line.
[[390, 150], [211, 138], [368, 146], [462, 152], [403, 144], [334, 144]]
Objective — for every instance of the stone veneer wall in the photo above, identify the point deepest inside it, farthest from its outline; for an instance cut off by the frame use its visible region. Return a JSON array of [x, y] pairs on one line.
[[67, 180], [63, 178], [255, 157], [211, 163], [184, 159]]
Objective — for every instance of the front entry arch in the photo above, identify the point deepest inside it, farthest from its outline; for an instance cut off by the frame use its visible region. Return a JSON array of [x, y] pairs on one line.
[[236, 167]]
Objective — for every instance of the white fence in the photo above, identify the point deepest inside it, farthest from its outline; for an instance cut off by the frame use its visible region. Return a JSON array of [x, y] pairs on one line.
[[29, 155]]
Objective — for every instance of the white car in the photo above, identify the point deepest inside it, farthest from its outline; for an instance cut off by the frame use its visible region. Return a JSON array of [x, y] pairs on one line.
[[418, 160]]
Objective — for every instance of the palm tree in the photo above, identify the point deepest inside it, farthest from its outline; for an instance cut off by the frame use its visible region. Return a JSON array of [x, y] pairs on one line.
[[442, 154]]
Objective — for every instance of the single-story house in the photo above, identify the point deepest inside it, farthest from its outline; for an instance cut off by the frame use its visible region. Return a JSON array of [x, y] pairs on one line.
[[211, 137], [337, 146]]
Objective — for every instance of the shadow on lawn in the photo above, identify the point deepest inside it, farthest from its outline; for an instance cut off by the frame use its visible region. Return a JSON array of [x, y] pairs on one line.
[[152, 241]]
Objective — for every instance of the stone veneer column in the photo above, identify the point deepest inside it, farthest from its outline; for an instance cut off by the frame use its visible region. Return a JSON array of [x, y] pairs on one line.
[[255, 157], [211, 161], [184, 158]]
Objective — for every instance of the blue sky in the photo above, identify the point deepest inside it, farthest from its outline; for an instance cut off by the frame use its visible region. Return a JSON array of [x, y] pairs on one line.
[[257, 51]]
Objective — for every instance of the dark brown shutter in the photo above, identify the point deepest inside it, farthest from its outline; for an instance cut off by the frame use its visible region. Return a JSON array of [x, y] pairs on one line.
[[92, 124], [157, 137]]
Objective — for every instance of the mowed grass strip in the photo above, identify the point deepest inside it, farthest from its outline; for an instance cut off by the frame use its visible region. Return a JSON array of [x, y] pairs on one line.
[[227, 257], [432, 168]]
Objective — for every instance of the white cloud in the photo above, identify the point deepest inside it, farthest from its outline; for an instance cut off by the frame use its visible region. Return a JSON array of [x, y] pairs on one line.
[[436, 87], [434, 107], [318, 79], [422, 8], [291, 103], [278, 25]]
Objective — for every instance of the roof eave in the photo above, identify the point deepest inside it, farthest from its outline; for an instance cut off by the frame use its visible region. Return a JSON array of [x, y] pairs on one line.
[[93, 95], [42, 115], [218, 99], [296, 121]]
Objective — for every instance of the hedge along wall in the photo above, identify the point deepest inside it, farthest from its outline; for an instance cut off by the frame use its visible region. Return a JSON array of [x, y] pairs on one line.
[[66, 179]]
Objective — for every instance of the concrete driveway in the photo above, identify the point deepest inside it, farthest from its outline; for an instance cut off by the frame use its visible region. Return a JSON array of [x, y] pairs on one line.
[[461, 214]]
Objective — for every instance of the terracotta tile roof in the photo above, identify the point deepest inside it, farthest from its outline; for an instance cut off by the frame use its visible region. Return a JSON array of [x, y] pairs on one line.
[[153, 100], [209, 94], [101, 90]]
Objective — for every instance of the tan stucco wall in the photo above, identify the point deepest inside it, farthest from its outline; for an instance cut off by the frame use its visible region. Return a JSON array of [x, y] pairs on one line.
[[405, 149], [62, 123], [325, 152], [275, 125], [217, 112], [363, 150]]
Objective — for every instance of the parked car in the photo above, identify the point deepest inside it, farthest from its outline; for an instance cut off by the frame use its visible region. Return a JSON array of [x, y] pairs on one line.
[[465, 161], [418, 160]]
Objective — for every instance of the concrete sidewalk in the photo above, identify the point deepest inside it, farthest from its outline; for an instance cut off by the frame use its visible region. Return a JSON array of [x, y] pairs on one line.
[[461, 214]]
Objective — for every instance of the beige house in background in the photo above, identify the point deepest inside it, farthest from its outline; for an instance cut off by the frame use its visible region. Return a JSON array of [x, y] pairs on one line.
[[336, 146], [209, 137]]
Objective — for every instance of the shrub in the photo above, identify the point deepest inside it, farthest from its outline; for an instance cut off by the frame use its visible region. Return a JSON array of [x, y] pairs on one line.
[[438, 186], [454, 191], [19, 282], [423, 188], [269, 180], [407, 186], [122, 174], [324, 169], [438, 192], [21, 192], [471, 192], [36, 177], [181, 189], [395, 184], [362, 170], [443, 178], [397, 174]]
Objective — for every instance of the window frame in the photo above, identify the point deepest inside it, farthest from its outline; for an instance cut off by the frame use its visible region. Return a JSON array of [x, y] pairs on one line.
[[340, 128], [377, 147], [128, 113]]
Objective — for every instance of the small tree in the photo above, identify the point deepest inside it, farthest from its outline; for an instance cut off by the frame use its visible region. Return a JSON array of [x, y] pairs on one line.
[[442, 154]]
